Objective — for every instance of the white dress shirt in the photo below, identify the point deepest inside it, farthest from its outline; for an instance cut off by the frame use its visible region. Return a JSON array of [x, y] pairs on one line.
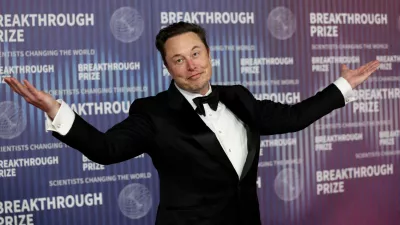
[[228, 129]]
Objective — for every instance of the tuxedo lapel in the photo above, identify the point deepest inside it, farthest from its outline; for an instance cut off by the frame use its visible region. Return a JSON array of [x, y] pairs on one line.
[[195, 126], [252, 150], [238, 107]]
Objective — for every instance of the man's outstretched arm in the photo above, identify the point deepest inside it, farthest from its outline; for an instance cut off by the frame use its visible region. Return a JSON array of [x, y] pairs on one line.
[[123, 141], [277, 118]]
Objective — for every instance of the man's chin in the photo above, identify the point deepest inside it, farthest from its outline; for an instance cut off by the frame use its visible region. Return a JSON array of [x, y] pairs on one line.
[[200, 88], [196, 86]]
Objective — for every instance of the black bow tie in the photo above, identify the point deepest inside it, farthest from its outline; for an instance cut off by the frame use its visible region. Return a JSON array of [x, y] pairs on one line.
[[212, 99]]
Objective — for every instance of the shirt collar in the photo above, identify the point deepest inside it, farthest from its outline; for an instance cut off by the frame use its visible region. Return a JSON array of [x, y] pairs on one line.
[[189, 96]]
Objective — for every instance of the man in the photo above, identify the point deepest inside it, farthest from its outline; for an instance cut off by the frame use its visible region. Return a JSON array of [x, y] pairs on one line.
[[206, 154]]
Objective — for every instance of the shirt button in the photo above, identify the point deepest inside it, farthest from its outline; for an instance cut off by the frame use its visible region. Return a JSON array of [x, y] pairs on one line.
[[59, 125], [220, 132], [209, 114]]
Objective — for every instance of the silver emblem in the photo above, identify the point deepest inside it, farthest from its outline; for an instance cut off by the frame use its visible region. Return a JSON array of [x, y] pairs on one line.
[[12, 120], [127, 24], [281, 23], [288, 185], [135, 201]]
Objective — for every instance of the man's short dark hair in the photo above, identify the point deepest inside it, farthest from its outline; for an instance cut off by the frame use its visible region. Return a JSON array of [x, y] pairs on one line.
[[176, 29]]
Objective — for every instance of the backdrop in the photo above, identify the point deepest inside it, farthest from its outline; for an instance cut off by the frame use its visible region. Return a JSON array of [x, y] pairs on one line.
[[99, 56]]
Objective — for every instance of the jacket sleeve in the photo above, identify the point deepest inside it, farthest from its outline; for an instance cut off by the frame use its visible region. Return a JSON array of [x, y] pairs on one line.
[[125, 140], [278, 118]]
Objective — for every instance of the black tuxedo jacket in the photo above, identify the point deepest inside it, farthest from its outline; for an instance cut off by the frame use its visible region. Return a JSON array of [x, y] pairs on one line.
[[198, 184]]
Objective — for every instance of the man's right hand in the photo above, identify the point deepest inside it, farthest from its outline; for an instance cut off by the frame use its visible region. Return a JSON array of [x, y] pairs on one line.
[[40, 99]]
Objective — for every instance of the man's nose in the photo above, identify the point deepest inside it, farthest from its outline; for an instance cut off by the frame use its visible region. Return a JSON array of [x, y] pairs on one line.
[[190, 64]]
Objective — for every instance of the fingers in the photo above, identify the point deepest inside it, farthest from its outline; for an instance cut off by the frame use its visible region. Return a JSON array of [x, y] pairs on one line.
[[369, 67], [7, 80], [13, 83], [364, 69], [21, 89], [34, 99], [373, 66], [18, 86], [31, 88]]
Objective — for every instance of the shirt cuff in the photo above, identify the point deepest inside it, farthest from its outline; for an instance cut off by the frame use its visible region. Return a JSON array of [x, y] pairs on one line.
[[63, 120], [346, 90]]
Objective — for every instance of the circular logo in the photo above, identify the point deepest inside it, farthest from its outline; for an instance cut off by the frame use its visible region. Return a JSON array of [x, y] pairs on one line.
[[135, 201], [281, 23], [126, 24], [288, 185], [12, 120]]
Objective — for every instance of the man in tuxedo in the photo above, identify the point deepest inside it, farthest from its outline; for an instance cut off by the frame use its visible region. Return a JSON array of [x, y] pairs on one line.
[[204, 140]]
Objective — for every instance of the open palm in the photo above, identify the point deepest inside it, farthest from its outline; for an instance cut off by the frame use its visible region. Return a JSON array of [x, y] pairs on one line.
[[39, 99], [359, 75]]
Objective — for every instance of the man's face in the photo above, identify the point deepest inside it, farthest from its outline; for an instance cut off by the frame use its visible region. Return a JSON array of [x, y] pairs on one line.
[[188, 62]]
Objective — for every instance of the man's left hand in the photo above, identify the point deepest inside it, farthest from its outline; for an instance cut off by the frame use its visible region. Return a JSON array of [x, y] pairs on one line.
[[357, 76]]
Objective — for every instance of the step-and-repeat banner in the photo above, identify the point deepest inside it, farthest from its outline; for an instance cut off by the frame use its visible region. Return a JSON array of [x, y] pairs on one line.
[[99, 55]]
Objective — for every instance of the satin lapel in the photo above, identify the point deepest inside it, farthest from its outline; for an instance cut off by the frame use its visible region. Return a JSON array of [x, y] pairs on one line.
[[252, 150], [238, 107], [196, 127]]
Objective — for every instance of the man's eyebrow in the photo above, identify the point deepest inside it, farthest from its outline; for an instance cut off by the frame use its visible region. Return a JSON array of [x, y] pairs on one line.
[[194, 47]]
